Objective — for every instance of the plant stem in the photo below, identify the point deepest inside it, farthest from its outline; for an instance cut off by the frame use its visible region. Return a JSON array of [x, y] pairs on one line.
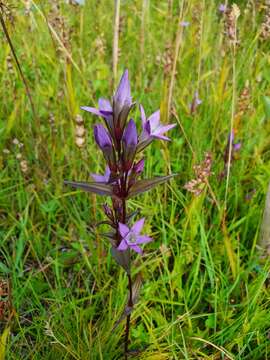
[[116, 38], [130, 304], [27, 90]]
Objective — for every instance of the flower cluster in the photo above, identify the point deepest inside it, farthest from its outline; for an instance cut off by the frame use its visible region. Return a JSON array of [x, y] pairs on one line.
[[122, 147]]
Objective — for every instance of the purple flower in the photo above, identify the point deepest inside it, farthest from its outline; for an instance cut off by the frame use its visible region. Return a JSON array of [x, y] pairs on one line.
[[196, 101], [104, 108], [139, 166], [105, 143], [152, 128], [184, 23], [122, 95], [102, 178], [131, 237], [135, 172], [130, 141], [116, 115], [237, 146], [222, 8], [122, 103], [102, 137]]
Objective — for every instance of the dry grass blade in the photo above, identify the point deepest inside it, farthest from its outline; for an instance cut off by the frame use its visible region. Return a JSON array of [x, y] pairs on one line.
[[264, 243]]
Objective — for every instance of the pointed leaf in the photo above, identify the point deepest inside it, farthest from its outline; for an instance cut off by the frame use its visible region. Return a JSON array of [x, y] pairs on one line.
[[148, 184], [93, 187], [136, 287], [135, 296], [266, 102], [122, 258], [124, 314], [3, 342]]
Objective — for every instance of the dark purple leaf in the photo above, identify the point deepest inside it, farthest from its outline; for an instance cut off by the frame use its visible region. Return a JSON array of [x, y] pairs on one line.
[[93, 187], [144, 185]]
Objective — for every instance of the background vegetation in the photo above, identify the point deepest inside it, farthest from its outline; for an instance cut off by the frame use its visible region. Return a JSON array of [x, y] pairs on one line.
[[205, 293]]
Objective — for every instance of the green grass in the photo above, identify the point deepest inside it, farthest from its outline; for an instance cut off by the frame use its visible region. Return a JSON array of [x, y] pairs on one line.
[[204, 293]]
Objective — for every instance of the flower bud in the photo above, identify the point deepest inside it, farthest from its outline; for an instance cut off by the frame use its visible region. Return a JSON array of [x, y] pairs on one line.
[[130, 140], [105, 143]]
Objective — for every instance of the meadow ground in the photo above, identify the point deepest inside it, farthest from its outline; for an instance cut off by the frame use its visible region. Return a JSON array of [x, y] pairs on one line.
[[205, 293]]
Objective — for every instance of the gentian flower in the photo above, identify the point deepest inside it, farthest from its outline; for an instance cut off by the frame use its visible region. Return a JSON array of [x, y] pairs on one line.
[[235, 146], [196, 101], [152, 128], [119, 143], [105, 143], [184, 23], [122, 104], [130, 141], [102, 178], [131, 237], [222, 8], [104, 108], [115, 115], [138, 167]]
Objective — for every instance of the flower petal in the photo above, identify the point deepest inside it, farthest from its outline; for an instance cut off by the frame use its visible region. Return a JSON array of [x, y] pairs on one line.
[[102, 137], [104, 105], [162, 137], [91, 110], [143, 116], [130, 137], [107, 173], [99, 178], [123, 95], [136, 248], [123, 229], [162, 129], [123, 245], [139, 166], [154, 120], [143, 239], [137, 227]]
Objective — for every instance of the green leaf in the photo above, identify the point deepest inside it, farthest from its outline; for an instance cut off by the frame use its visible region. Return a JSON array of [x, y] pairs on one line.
[[266, 102], [3, 342], [210, 322], [3, 268], [142, 186]]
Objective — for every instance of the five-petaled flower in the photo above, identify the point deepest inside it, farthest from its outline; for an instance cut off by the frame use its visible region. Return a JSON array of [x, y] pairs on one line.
[[152, 128], [131, 237]]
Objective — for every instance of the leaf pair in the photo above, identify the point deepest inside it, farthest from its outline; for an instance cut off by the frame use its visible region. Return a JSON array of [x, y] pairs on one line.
[[104, 189]]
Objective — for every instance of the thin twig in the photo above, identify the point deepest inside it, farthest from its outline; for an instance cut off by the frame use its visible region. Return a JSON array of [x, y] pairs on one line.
[[27, 89], [232, 112], [178, 42], [116, 38], [130, 304]]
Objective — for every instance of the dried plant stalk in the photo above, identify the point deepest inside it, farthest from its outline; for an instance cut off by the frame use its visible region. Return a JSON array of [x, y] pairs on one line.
[[116, 38], [264, 242]]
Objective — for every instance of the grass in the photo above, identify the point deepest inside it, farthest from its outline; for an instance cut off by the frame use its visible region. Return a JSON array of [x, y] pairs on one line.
[[205, 292]]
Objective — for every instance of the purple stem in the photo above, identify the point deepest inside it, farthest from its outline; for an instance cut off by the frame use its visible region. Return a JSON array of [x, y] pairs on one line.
[[130, 304]]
